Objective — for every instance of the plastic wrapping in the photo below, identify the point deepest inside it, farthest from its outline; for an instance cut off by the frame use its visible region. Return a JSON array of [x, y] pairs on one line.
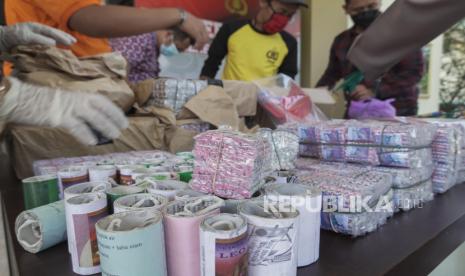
[[401, 177], [286, 102], [230, 164], [414, 196], [174, 93], [405, 143], [344, 185], [358, 224], [448, 153], [284, 148]]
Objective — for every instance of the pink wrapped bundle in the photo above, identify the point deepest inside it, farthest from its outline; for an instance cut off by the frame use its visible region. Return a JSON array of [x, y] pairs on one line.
[[230, 164]]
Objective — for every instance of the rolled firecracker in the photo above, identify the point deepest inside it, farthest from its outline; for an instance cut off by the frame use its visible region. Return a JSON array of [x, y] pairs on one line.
[[40, 190], [231, 205], [307, 201], [188, 194], [81, 189], [102, 173], [156, 176], [132, 243], [149, 202], [272, 238], [70, 176], [166, 188], [119, 191], [128, 174], [223, 245], [85, 188], [182, 225], [41, 228], [82, 212]]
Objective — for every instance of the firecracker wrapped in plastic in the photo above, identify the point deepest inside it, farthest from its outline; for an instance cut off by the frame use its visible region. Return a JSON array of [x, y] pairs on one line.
[[448, 153], [284, 148], [401, 177], [286, 102], [404, 143], [230, 164], [354, 202], [174, 93]]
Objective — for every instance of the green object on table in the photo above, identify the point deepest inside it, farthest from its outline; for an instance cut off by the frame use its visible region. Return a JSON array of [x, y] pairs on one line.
[[40, 190], [120, 191], [185, 176], [351, 82]]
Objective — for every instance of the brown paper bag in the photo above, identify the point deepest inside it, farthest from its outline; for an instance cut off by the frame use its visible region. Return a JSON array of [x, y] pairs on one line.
[[58, 68], [214, 106], [144, 133], [244, 95]]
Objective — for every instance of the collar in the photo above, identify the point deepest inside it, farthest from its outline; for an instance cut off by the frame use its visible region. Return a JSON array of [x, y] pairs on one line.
[[250, 22]]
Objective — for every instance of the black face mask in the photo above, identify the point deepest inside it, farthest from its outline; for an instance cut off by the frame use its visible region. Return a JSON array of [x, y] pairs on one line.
[[129, 3], [364, 19]]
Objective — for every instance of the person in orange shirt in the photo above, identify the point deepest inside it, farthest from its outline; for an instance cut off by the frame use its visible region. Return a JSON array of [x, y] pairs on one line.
[[90, 22]]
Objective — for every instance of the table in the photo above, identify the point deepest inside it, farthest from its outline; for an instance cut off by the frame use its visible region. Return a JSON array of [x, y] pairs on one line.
[[412, 243]]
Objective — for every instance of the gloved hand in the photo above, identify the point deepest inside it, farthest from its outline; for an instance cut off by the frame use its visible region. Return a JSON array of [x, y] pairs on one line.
[[32, 33], [77, 112]]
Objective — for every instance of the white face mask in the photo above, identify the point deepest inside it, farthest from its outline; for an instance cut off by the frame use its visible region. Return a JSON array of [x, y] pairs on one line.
[[169, 51]]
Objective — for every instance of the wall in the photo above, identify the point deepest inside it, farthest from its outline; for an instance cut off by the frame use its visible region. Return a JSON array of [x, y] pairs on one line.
[[322, 21]]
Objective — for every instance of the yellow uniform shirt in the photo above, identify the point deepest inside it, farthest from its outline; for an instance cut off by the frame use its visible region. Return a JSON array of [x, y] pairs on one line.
[[251, 54]]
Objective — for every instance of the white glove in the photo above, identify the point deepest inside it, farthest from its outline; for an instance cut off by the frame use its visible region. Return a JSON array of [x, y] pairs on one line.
[[77, 112], [32, 33]]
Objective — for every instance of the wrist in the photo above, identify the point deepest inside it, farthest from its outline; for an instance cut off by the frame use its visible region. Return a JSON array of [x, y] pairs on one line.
[[182, 17]]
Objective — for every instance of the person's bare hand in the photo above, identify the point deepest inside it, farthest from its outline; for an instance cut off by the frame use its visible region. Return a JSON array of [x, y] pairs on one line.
[[196, 29], [362, 93]]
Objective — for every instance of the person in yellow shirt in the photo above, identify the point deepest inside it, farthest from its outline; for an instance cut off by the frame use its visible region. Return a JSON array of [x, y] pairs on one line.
[[90, 22], [258, 48]]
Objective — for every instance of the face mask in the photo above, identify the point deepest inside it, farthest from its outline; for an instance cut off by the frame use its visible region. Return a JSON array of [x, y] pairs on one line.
[[276, 23], [364, 19], [169, 50]]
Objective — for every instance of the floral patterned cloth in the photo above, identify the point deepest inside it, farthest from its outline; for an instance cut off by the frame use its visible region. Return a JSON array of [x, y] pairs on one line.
[[142, 54]]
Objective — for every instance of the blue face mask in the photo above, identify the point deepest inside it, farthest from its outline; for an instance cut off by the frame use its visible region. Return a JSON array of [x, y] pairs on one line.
[[169, 50]]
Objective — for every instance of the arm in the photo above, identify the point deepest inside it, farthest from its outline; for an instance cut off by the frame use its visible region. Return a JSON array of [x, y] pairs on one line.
[[403, 77], [100, 21], [218, 50], [78, 112], [289, 66], [406, 26], [333, 72]]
